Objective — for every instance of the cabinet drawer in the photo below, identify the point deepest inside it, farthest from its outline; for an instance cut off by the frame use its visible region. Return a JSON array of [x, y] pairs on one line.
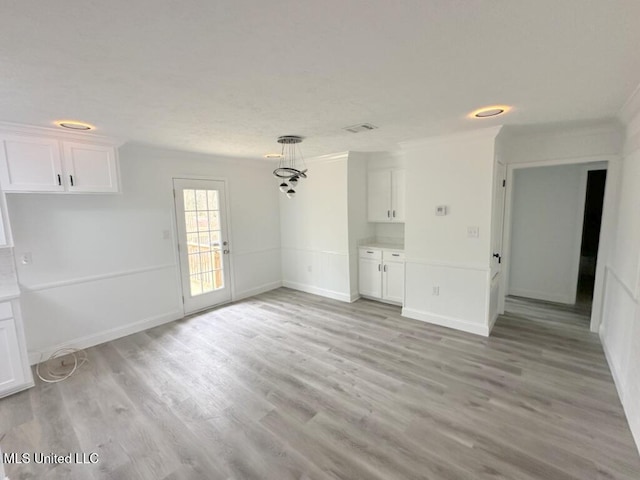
[[371, 253], [5, 310], [393, 256]]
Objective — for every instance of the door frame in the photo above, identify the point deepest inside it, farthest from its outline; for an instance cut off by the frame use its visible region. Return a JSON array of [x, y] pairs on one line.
[[609, 213], [176, 237]]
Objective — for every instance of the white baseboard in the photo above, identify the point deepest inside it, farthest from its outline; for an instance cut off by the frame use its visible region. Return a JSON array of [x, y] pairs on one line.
[[107, 335], [343, 297], [545, 296], [257, 290], [449, 322], [492, 321]]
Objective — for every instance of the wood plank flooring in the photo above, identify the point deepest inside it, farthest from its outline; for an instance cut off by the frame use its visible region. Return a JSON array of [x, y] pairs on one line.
[[288, 385]]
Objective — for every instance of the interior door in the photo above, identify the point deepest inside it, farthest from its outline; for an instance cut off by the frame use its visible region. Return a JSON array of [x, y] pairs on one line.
[[498, 219], [201, 217]]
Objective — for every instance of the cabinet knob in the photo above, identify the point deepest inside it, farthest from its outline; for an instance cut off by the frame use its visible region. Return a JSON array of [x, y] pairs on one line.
[[394, 214], [59, 180], [71, 179], [388, 213], [378, 267]]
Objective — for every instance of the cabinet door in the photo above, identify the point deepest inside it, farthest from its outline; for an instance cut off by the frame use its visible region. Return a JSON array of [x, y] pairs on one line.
[[11, 371], [30, 164], [397, 195], [393, 282], [370, 281], [379, 196], [90, 168]]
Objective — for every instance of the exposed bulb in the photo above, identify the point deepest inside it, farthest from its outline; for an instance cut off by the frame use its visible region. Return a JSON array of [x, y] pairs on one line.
[[291, 193], [284, 187], [293, 181]]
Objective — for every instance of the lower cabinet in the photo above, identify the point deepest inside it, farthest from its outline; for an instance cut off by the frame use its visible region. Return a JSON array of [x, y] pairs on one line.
[[381, 274], [15, 374]]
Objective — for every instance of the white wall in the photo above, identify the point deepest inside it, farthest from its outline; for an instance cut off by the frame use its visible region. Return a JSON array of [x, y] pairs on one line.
[[101, 265], [547, 216], [359, 227], [456, 171], [620, 327], [315, 230]]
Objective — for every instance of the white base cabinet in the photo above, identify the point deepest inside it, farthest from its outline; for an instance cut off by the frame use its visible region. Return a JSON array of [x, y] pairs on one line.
[[381, 274], [15, 373]]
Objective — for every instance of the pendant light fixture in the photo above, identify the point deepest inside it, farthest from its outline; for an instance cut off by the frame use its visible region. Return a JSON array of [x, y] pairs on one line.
[[291, 167]]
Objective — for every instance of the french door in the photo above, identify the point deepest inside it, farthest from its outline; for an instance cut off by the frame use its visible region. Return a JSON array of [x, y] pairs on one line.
[[201, 217]]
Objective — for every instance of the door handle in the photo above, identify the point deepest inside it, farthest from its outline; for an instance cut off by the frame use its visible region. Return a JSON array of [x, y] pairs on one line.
[[225, 251], [497, 255]]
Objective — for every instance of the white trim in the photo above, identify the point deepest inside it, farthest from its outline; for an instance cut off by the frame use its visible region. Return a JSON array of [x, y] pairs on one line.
[[107, 335], [627, 288], [95, 278], [243, 253], [332, 157], [449, 322], [487, 132], [328, 252], [461, 266], [547, 297], [257, 290], [343, 297], [59, 133], [556, 161]]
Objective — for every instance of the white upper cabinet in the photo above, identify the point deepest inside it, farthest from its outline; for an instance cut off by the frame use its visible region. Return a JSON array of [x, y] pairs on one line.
[[90, 168], [386, 196], [30, 164], [34, 163]]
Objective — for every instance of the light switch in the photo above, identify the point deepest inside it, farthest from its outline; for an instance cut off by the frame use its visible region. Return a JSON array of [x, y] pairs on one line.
[[441, 210], [473, 232]]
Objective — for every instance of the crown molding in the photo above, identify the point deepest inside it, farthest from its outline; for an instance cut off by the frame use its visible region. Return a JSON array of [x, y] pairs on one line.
[[489, 132], [22, 129]]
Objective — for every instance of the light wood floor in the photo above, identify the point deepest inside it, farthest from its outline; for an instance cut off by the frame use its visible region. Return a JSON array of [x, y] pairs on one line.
[[288, 385]]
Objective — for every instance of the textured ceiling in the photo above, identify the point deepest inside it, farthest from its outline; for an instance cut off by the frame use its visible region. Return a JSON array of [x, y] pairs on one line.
[[228, 77]]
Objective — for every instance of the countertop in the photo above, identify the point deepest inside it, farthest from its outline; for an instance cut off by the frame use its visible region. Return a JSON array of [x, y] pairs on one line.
[[387, 246]]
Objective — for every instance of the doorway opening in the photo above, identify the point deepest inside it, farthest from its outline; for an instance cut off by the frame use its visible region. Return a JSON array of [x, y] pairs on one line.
[[594, 202], [555, 222]]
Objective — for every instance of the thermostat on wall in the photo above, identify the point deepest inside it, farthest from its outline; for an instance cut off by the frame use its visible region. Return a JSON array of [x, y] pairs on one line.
[[441, 210]]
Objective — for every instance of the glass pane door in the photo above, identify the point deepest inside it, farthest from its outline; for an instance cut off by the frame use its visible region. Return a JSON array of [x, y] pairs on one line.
[[201, 221]]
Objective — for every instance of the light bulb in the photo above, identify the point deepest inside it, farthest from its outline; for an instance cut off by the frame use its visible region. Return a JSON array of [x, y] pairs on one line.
[[291, 193], [293, 181], [283, 187]]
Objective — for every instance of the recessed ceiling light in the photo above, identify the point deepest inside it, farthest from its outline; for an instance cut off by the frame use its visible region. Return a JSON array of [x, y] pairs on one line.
[[73, 125], [491, 111], [273, 155]]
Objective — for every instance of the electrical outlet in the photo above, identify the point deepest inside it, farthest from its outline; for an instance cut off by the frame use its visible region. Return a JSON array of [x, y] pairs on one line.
[[25, 258], [436, 291]]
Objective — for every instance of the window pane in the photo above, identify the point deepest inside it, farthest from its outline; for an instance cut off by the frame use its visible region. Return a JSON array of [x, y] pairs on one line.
[[196, 285], [192, 243], [206, 263], [215, 239], [213, 199], [203, 221], [214, 220], [194, 264], [218, 279], [191, 221], [201, 199], [189, 200], [204, 242], [217, 260]]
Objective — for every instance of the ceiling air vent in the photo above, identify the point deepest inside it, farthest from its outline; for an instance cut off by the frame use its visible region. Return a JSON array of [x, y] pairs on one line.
[[363, 127]]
